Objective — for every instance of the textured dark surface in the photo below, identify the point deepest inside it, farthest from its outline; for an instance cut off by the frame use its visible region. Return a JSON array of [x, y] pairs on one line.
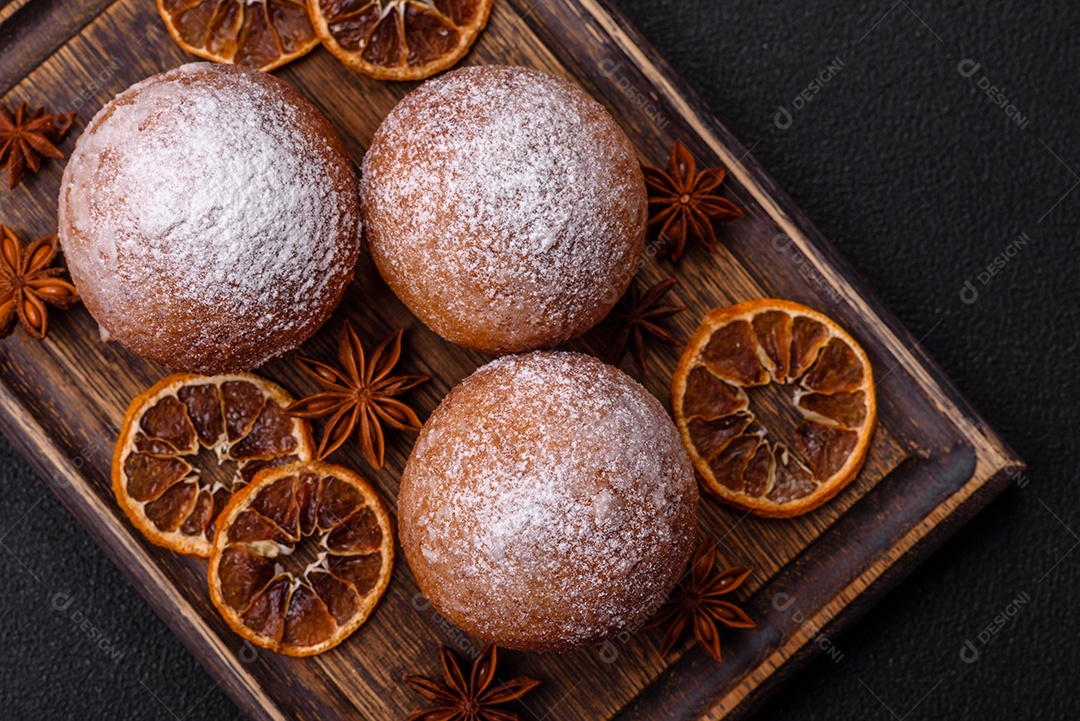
[[921, 181]]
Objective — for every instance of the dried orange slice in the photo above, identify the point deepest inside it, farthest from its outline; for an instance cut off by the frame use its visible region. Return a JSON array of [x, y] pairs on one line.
[[820, 425], [189, 442], [301, 557], [264, 34], [399, 39]]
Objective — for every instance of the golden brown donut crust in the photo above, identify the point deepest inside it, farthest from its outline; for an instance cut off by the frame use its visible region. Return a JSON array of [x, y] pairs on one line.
[[505, 207], [548, 503], [210, 218]]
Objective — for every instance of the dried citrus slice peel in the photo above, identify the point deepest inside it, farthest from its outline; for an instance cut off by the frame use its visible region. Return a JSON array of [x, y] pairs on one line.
[[738, 459], [264, 34], [399, 39], [189, 441], [301, 556]]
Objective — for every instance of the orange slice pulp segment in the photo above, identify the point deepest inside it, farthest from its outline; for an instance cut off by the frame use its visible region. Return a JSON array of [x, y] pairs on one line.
[[301, 557], [189, 442], [399, 39], [264, 34], [805, 453]]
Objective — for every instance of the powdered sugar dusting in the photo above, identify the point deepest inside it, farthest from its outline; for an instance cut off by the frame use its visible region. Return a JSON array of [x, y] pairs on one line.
[[201, 192], [522, 195], [592, 500]]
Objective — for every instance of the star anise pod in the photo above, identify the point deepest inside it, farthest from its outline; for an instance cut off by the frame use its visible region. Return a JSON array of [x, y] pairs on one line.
[[685, 204], [468, 699], [27, 283], [696, 601], [360, 395], [637, 314], [24, 139]]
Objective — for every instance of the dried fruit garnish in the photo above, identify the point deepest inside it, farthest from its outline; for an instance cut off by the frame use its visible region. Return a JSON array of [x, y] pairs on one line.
[[468, 699], [360, 396], [399, 39], [696, 602], [264, 34], [636, 315], [27, 283], [813, 452], [25, 138], [167, 471], [685, 204], [301, 557]]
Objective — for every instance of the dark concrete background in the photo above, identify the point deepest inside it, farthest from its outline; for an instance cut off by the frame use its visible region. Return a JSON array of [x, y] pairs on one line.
[[922, 180]]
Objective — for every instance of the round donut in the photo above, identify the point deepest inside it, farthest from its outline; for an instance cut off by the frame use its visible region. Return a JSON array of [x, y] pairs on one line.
[[210, 218], [548, 503], [505, 207]]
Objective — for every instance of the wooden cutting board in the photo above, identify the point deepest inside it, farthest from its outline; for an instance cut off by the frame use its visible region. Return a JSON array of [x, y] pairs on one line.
[[932, 465]]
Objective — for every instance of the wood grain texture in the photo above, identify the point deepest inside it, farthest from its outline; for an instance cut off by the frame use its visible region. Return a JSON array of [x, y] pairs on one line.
[[932, 463]]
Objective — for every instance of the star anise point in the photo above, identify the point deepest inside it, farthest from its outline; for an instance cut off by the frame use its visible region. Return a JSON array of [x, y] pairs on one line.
[[28, 283], [358, 396], [471, 697], [636, 314], [685, 204], [24, 140], [694, 603]]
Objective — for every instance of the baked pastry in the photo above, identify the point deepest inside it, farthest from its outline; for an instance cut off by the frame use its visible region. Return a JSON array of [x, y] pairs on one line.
[[548, 503], [210, 218], [505, 207]]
